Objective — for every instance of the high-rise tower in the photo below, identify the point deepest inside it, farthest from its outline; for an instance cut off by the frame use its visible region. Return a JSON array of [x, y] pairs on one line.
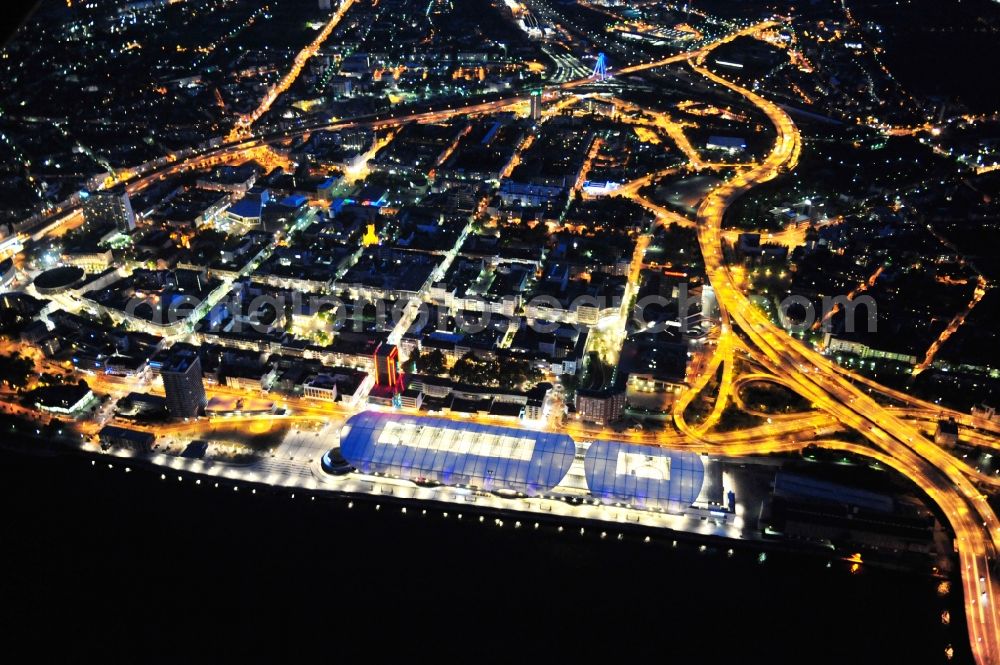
[[109, 206], [183, 384]]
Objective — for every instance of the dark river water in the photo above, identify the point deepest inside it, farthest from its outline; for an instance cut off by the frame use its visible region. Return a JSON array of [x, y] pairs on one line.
[[111, 566]]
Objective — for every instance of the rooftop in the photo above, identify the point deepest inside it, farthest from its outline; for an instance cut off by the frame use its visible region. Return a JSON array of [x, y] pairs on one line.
[[457, 453], [643, 475]]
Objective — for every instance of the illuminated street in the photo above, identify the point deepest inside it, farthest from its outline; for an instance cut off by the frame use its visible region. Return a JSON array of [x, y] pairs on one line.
[[588, 264]]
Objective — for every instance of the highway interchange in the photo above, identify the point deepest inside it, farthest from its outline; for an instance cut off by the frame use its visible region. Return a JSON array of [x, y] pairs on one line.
[[896, 437]]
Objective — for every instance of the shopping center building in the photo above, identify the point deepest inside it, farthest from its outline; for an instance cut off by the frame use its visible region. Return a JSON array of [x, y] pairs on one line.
[[495, 458]]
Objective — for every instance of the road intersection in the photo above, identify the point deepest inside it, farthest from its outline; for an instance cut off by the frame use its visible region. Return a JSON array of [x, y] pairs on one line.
[[841, 400]]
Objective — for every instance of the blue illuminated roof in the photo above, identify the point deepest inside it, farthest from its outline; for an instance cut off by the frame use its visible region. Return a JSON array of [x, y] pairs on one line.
[[643, 475], [794, 485], [727, 141], [294, 201], [246, 208], [445, 336], [451, 452]]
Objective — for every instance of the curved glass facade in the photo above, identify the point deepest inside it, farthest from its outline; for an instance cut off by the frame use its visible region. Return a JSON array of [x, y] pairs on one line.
[[452, 452], [642, 475]]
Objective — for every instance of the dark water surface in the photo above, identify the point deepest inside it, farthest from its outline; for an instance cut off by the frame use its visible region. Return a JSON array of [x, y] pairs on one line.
[[119, 566]]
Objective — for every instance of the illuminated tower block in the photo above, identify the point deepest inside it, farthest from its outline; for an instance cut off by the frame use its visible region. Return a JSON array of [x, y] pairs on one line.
[[109, 207], [536, 105], [183, 384], [387, 366]]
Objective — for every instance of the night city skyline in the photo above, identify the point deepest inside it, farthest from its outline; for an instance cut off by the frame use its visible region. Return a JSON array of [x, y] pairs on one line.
[[699, 286]]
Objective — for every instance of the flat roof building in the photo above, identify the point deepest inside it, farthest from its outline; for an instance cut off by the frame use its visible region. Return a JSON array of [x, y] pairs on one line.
[[130, 439], [425, 449], [643, 476], [110, 206], [601, 406]]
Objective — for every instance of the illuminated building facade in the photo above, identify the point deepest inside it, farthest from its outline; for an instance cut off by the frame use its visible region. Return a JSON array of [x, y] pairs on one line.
[[183, 384], [387, 375], [111, 206]]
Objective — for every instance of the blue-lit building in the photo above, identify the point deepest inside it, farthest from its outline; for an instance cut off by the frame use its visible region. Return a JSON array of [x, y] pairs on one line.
[[248, 211], [487, 457], [643, 476]]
